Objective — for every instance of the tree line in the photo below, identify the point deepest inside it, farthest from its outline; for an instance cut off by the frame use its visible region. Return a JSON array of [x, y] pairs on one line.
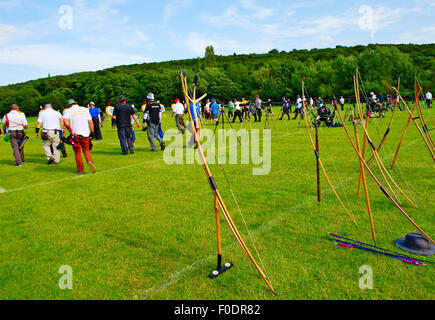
[[271, 76]]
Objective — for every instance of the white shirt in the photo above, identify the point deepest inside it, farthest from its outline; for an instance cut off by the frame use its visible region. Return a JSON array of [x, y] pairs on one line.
[[237, 104], [342, 100], [179, 108], [162, 110], [299, 103], [428, 96], [17, 120], [79, 118], [50, 119]]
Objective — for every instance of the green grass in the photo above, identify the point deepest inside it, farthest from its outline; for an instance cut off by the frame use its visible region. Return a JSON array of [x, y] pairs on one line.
[[141, 229]]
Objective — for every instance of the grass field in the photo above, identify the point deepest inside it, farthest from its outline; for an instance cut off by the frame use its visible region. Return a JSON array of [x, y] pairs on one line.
[[142, 229]]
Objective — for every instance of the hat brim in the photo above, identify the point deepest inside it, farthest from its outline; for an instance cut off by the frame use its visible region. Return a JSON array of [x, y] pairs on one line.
[[401, 243]]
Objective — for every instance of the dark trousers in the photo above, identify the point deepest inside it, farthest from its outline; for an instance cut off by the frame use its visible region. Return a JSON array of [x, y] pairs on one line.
[[428, 102], [285, 113], [299, 112], [124, 135], [97, 129], [258, 115], [238, 114], [18, 154]]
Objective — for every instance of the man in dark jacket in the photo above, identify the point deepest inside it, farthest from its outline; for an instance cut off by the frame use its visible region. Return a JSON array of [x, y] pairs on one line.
[[154, 109], [122, 115]]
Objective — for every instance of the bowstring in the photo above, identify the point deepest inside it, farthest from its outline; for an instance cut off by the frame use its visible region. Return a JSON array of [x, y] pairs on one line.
[[234, 196], [422, 102], [333, 160], [387, 150]]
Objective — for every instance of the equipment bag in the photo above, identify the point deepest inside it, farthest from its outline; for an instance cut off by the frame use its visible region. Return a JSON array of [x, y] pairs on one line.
[[44, 136]]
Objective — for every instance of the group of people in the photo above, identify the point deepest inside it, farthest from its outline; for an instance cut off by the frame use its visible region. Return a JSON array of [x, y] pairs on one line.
[[51, 127], [84, 124]]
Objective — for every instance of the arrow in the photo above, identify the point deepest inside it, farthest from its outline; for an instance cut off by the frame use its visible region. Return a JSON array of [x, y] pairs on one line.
[[354, 246]]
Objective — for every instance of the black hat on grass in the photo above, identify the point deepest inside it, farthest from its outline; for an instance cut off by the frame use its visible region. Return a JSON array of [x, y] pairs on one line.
[[417, 244]]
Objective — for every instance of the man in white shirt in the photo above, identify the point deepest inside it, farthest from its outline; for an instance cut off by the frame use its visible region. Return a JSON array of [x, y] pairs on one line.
[[429, 100], [52, 126], [342, 101], [15, 121], [299, 108], [179, 114], [238, 111], [78, 121]]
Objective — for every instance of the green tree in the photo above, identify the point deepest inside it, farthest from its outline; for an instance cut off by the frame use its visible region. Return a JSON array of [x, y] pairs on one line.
[[210, 58]]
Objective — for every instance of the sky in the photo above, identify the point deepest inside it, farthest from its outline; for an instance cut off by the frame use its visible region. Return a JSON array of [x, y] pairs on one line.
[[38, 38]]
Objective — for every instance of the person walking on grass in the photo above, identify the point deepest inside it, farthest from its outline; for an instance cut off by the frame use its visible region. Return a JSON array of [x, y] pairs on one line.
[[299, 109], [215, 108], [342, 102], [230, 109], [258, 109], [154, 109], [52, 127], [238, 113], [178, 111], [285, 109], [429, 99], [79, 123], [15, 122], [96, 119], [122, 115]]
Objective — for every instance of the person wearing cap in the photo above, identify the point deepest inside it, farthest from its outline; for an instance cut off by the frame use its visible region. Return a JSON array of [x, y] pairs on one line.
[[95, 114], [178, 111], [285, 109], [79, 123], [122, 114], [52, 126], [154, 109], [15, 122], [299, 108]]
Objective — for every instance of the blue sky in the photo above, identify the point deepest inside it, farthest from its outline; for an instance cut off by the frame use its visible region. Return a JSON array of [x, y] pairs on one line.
[[67, 36]]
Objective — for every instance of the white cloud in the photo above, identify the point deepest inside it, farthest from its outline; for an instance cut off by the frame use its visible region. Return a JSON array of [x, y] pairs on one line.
[[259, 12], [10, 32], [171, 7], [423, 35]]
